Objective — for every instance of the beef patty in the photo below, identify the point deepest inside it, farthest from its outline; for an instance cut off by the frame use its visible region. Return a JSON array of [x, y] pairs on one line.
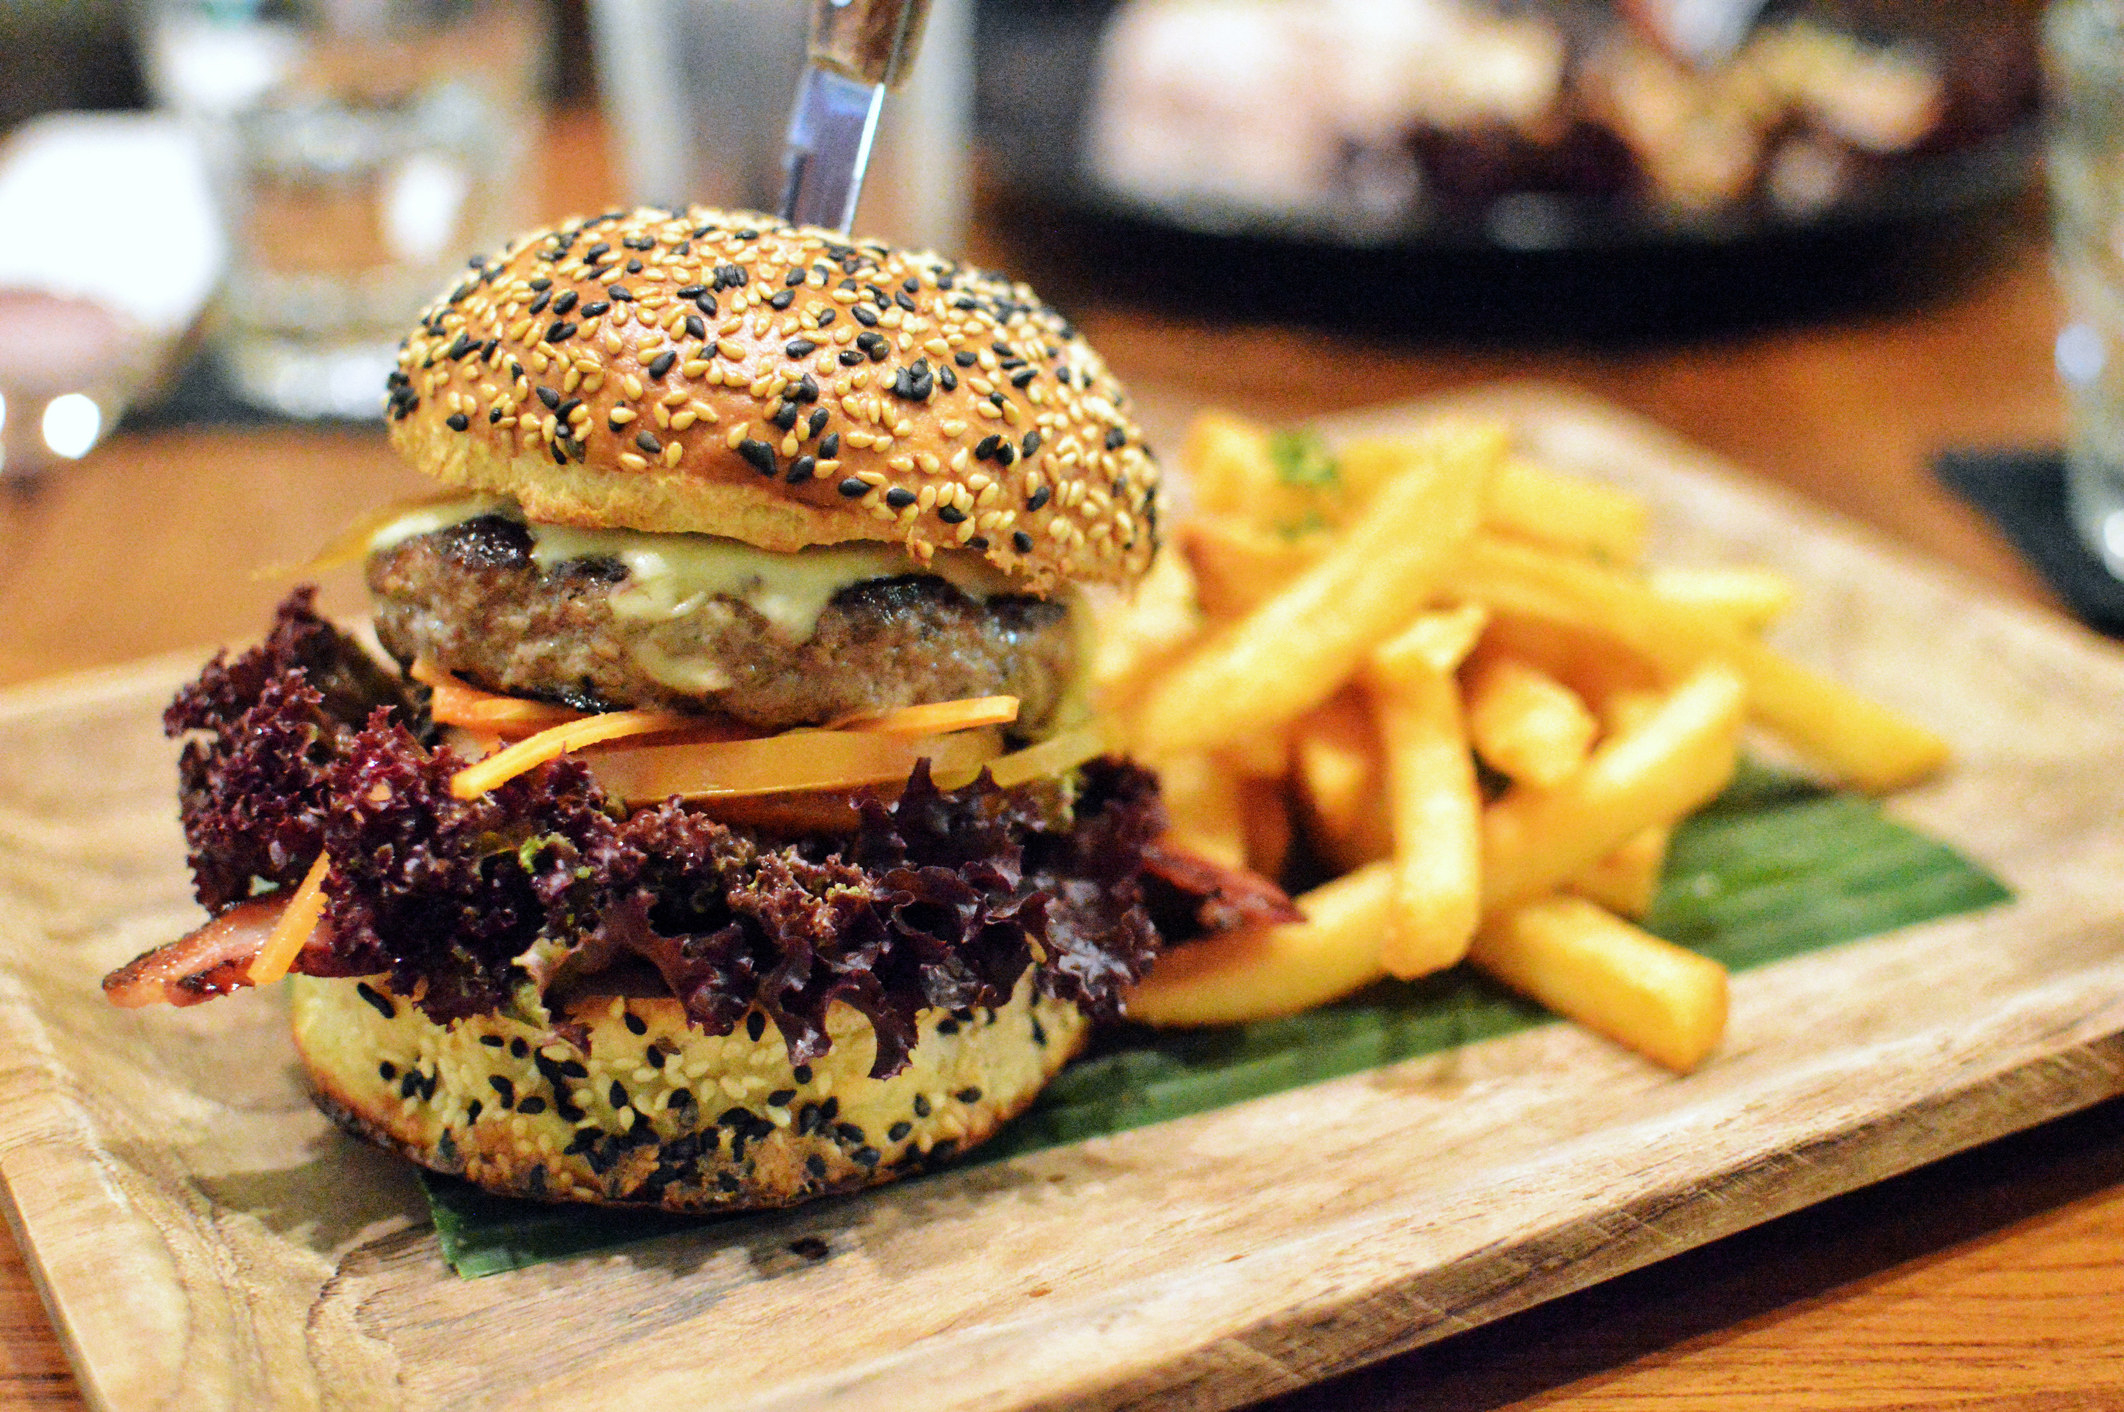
[[471, 599]]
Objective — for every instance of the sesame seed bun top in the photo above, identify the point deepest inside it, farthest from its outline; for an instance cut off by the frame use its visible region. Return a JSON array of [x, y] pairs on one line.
[[725, 373]]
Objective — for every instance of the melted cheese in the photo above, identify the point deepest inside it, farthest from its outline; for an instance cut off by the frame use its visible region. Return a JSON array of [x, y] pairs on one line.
[[672, 577]]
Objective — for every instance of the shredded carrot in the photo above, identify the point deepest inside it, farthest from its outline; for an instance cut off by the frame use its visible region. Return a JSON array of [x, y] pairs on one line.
[[1052, 756], [937, 717], [294, 926], [550, 744], [455, 703]]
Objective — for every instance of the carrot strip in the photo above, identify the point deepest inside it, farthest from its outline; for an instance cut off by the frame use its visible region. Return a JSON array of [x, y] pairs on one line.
[[550, 744], [455, 703], [294, 927], [937, 717]]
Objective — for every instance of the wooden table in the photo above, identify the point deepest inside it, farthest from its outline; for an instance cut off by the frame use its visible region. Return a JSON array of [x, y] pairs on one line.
[[1995, 1279]]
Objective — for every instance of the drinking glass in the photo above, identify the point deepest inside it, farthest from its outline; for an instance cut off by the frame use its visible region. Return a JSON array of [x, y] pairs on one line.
[[360, 150]]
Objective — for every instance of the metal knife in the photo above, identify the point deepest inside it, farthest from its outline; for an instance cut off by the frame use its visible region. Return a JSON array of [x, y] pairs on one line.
[[859, 49]]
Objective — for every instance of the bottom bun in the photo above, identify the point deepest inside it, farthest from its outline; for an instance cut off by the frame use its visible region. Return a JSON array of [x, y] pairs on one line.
[[624, 1102]]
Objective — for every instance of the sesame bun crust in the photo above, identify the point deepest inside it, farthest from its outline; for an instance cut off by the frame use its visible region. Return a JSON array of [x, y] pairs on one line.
[[659, 370], [752, 1131]]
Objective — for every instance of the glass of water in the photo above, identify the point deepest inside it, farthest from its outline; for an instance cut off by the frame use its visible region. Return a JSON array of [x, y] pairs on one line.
[[360, 150], [2083, 43]]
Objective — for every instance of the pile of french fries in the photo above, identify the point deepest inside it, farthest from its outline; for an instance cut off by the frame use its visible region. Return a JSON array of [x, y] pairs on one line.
[[1443, 665]]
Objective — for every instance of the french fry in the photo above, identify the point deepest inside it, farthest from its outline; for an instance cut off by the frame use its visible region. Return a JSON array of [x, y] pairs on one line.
[[1748, 598], [1627, 880], [1434, 642], [1227, 461], [1581, 656], [1861, 740], [1139, 634], [1566, 512], [1678, 759], [1256, 973], [1435, 812], [1666, 1003], [1264, 755], [1203, 808], [1340, 770], [1239, 566], [1290, 654], [1367, 464], [1265, 819], [1524, 723]]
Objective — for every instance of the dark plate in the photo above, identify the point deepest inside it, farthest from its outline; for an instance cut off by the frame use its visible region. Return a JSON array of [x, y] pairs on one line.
[[1526, 265]]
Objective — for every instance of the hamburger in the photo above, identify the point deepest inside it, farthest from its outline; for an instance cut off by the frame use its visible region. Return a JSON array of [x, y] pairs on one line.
[[723, 824]]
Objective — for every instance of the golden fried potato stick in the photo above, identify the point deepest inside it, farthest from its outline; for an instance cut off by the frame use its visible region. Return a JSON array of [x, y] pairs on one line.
[[1665, 1002], [1339, 767], [1864, 742], [1204, 810], [1524, 723], [1435, 808], [1627, 881], [1676, 760], [1240, 565], [1747, 597], [1140, 632], [1567, 512], [1291, 653], [1256, 973]]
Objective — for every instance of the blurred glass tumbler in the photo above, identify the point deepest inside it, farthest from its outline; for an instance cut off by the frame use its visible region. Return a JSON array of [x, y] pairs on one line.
[[361, 149], [2083, 43]]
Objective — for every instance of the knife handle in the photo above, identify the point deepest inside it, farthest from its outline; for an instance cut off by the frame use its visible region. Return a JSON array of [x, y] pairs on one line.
[[871, 41]]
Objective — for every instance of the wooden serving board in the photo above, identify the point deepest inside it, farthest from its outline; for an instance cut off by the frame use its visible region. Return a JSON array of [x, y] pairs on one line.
[[205, 1240]]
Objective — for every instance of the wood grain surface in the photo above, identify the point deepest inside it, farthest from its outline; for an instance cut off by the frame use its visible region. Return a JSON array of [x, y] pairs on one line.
[[206, 1240], [1987, 1280]]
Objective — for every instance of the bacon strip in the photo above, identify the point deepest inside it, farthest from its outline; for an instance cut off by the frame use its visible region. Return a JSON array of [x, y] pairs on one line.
[[214, 960], [1230, 897]]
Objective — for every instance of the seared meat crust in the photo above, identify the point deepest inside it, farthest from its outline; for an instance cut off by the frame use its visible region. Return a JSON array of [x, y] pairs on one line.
[[472, 599]]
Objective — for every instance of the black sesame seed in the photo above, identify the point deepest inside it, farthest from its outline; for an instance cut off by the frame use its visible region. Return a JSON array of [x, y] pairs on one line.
[[966, 357], [986, 447], [830, 447], [875, 345], [457, 421], [1023, 377], [635, 1024], [947, 1027], [381, 1004], [816, 1165], [728, 277], [646, 439], [410, 1085], [760, 456], [898, 1131], [568, 1110], [617, 1094], [800, 347], [803, 469], [594, 308], [541, 283], [461, 347], [560, 453], [387, 1071], [849, 358], [864, 315], [538, 305], [1031, 444], [968, 1095], [695, 328], [830, 1109], [906, 302], [597, 252], [564, 301], [755, 1025], [951, 514], [706, 303], [561, 332], [473, 1110], [1039, 498], [1006, 453], [826, 317], [1116, 439], [691, 291], [847, 1132], [853, 489], [781, 1098], [866, 1157], [785, 416], [533, 1104], [566, 410], [501, 1085], [1021, 541], [921, 1106], [548, 396], [492, 1041], [655, 1055], [801, 1073], [899, 497], [949, 378], [619, 293], [571, 1069], [661, 363], [518, 1048], [682, 1099], [1039, 1032], [807, 390]]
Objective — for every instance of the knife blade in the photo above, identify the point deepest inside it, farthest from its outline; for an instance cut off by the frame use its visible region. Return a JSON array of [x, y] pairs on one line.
[[859, 50]]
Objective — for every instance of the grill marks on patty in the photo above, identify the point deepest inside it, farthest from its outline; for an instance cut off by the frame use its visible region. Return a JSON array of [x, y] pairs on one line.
[[471, 598]]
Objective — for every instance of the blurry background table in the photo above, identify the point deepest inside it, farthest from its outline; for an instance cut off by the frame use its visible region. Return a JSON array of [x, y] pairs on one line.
[[1994, 1279]]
